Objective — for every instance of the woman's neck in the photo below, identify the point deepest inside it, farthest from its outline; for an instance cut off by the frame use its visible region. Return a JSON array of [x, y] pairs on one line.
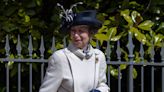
[[84, 47]]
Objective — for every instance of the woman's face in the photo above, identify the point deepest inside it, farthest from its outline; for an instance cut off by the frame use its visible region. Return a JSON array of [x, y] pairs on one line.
[[80, 35]]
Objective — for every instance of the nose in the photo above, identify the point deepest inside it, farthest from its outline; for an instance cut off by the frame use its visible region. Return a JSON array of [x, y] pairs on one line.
[[76, 34]]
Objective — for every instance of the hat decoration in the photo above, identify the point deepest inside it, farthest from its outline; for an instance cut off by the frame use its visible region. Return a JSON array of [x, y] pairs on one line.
[[69, 18], [67, 15]]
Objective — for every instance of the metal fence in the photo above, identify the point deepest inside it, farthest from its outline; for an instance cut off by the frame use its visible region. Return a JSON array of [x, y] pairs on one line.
[[147, 81]]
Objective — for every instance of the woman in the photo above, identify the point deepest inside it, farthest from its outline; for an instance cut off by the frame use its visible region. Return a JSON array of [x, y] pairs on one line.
[[79, 67]]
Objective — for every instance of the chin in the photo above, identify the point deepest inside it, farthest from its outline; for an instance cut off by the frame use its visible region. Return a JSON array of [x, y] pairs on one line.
[[78, 46]]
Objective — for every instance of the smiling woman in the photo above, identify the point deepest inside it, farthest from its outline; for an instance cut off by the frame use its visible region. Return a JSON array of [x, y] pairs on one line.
[[78, 67], [80, 35]]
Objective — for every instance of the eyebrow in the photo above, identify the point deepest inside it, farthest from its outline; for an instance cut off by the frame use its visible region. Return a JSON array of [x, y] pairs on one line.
[[84, 26]]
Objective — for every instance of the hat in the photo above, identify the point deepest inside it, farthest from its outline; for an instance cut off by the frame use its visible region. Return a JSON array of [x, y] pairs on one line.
[[87, 17]]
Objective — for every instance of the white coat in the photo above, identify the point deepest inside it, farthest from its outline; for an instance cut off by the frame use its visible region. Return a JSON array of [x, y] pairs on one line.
[[69, 71]]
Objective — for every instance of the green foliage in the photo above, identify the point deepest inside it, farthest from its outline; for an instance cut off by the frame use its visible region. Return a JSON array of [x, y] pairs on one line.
[[118, 26], [41, 17]]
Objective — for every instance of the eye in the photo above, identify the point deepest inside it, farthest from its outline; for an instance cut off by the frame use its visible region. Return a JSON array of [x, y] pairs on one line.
[[82, 31], [72, 32]]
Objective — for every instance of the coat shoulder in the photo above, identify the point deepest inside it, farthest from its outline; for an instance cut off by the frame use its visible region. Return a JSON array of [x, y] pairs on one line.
[[100, 54], [58, 55], [97, 51]]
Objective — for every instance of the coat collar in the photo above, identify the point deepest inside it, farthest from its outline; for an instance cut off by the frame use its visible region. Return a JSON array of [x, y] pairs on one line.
[[80, 52]]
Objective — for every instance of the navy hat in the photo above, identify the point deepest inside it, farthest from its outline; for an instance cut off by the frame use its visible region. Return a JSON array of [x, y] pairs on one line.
[[87, 17]]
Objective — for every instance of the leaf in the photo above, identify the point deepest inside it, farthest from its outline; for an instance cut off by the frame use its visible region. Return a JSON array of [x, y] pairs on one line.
[[114, 72], [106, 22], [111, 32], [112, 18], [126, 16], [22, 30], [116, 38], [148, 39], [102, 29], [27, 18], [101, 16], [11, 56], [10, 63], [101, 37], [38, 2], [136, 17], [161, 26], [158, 39], [21, 12], [134, 3], [97, 6], [134, 73], [137, 57], [125, 54], [146, 25], [35, 34], [123, 66], [101, 42], [8, 27], [93, 43], [34, 66], [139, 36], [149, 51], [125, 12]]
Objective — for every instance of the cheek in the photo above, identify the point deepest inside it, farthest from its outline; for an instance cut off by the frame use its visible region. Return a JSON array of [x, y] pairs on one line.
[[71, 37], [86, 37]]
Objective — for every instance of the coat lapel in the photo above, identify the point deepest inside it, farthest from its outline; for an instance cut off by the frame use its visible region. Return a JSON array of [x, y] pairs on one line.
[[74, 67]]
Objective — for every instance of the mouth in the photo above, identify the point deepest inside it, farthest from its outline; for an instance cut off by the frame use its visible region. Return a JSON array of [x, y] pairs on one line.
[[77, 41]]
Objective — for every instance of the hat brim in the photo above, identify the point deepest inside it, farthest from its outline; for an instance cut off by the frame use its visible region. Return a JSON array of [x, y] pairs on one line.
[[96, 24]]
